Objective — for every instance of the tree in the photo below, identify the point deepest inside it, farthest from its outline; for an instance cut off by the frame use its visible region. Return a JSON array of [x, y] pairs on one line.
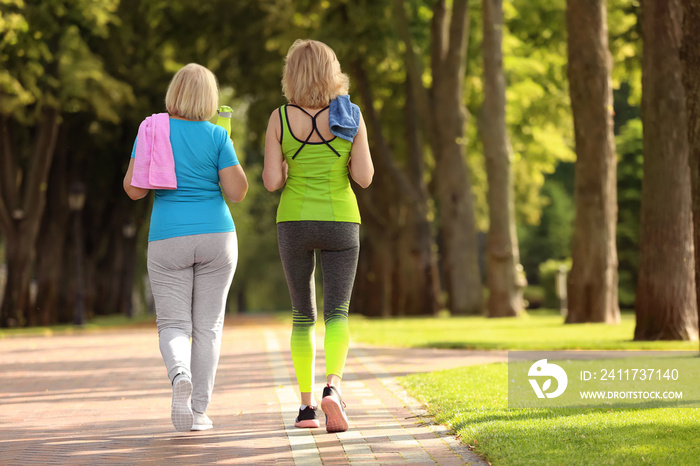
[[592, 284], [49, 70], [21, 209], [443, 118], [666, 305], [502, 244], [690, 59]]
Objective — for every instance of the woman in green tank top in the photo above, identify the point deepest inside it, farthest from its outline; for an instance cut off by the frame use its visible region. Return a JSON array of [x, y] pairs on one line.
[[312, 144]]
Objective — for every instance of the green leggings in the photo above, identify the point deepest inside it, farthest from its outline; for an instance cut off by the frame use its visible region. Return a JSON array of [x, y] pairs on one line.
[[339, 243]]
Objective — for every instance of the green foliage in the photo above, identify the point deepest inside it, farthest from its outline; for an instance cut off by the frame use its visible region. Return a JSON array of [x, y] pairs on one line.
[[538, 114], [624, 31], [473, 401], [45, 49]]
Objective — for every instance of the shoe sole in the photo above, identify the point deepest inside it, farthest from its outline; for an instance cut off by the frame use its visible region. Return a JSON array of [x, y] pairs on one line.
[[308, 423], [336, 419], [181, 413], [201, 427]]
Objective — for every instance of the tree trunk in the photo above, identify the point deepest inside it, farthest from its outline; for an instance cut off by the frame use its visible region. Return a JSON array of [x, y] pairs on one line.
[[50, 273], [460, 258], [51, 243], [666, 304], [423, 254], [22, 201], [592, 283], [443, 115], [690, 59], [501, 247], [15, 304]]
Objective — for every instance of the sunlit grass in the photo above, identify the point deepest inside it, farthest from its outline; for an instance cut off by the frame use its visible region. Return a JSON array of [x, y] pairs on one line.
[[473, 401], [539, 330]]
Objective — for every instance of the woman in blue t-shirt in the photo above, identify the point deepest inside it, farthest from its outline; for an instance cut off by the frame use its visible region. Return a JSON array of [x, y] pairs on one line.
[[192, 246]]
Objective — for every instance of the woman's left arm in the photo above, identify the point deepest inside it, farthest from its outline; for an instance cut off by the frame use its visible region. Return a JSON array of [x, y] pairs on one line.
[[234, 182], [132, 191], [275, 169]]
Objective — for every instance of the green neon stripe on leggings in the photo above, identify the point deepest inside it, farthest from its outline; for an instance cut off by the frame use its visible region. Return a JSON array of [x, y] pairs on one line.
[[303, 344], [337, 340]]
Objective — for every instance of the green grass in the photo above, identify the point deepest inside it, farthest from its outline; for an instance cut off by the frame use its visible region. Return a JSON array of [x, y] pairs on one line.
[[540, 330], [97, 323], [473, 402]]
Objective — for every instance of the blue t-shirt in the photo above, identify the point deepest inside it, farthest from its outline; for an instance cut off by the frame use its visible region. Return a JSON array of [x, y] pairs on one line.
[[197, 206]]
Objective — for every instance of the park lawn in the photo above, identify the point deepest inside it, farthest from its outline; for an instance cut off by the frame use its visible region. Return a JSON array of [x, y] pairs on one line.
[[473, 401], [537, 331]]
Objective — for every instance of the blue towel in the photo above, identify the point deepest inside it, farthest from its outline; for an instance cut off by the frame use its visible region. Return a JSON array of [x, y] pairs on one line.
[[344, 118]]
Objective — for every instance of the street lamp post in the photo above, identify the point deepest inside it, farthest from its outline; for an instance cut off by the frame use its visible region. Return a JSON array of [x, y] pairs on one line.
[[76, 202]]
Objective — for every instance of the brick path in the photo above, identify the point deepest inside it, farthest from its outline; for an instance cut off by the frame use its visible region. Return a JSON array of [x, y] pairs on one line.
[[103, 398]]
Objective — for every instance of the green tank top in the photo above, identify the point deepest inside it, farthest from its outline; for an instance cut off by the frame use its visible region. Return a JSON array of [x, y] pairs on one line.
[[318, 187]]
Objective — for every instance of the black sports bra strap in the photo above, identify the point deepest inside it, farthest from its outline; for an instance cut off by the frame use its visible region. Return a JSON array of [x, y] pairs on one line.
[[303, 143], [314, 128]]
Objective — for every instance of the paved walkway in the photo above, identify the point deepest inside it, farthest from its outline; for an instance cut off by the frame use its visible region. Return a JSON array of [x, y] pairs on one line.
[[103, 398]]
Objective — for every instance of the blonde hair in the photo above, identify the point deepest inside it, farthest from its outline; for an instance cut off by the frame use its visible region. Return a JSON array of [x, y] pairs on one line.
[[193, 93], [312, 77]]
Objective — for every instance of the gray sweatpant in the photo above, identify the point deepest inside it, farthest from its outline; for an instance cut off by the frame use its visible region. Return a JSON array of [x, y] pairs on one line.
[[190, 278]]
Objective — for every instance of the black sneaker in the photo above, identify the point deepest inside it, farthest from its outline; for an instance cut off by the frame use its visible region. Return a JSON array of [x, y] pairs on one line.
[[334, 408], [308, 417]]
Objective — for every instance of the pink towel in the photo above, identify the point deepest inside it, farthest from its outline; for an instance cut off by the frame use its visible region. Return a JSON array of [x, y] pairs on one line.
[[154, 166]]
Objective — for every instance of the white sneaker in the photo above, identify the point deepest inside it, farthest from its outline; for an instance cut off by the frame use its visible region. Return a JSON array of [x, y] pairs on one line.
[[181, 412], [201, 422]]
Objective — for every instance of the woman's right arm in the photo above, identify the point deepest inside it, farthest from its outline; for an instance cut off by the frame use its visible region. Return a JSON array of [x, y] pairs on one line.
[[132, 191], [275, 170], [361, 167]]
